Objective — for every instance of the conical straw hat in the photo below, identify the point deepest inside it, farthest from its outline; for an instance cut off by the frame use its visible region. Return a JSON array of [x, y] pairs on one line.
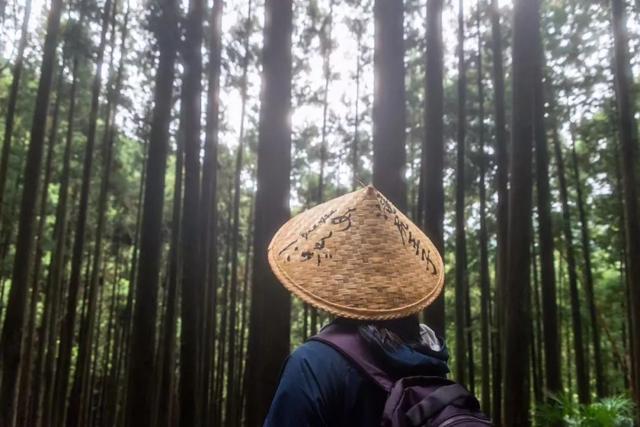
[[358, 256]]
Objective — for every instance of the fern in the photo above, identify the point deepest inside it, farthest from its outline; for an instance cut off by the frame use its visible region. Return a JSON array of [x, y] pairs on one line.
[[615, 411]]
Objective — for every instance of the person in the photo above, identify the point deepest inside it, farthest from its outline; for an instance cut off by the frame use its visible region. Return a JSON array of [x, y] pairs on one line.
[[362, 260]]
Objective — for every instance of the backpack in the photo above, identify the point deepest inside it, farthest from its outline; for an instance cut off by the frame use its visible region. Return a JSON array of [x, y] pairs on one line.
[[417, 401]]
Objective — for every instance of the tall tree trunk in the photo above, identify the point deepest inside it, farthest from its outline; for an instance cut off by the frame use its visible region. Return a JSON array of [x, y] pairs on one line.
[[232, 397], [629, 146], [56, 265], [80, 387], [536, 330], [192, 286], [168, 357], [501, 211], [545, 232], [432, 159], [243, 310], [16, 75], [355, 160], [25, 395], [141, 370], [51, 300], [389, 116], [111, 339], [462, 278], [579, 349], [485, 287], [326, 47], [208, 208], [68, 323], [270, 302], [588, 274], [222, 341], [517, 301], [12, 340]]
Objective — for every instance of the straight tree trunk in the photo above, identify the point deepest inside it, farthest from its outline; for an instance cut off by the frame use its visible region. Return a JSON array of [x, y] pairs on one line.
[[485, 343], [355, 160], [16, 75], [545, 234], [628, 153], [588, 275], [111, 340], [432, 159], [243, 310], [232, 397], [582, 373], [56, 265], [141, 370], [168, 357], [51, 300], [80, 386], [389, 116], [25, 394], [192, 286], [69, 320], [11, 341], [222, 341], [271, 303], [208, 202], [462, 277], [536, 330], [501, 211], [326, 47], [526, 16]]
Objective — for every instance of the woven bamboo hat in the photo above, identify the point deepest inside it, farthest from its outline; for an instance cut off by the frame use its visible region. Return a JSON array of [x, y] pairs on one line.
[[358, 256]]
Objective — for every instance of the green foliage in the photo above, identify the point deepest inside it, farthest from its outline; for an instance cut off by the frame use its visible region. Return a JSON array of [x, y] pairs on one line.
[[615, 411]]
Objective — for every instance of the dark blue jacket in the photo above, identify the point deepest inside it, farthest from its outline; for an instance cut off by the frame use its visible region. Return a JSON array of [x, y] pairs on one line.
[[319, 387]]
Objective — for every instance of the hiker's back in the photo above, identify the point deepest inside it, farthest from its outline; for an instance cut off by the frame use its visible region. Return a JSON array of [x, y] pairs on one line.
[[319, 387]]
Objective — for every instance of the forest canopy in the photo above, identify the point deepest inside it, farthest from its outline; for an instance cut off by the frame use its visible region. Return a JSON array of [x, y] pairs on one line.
[[151, 149]]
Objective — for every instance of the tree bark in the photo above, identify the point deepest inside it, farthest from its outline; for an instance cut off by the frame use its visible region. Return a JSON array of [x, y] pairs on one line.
[[485, 287], [208, 202], [13, 327], [270, 308], [16, 75], [232, 396], [192, 286], [545, 233], [68, 323], [501, 210], [355, 160], [52, 297], [58, 257], [628, 153], [25, 394], [582, 373], [389, 116], [526, 16], [168, 357], [79, 390], [462, 277], [432, 160], [588, 275], [141, 369]]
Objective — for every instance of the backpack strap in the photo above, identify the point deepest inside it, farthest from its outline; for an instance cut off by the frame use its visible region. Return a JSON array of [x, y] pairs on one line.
[[350, 344]]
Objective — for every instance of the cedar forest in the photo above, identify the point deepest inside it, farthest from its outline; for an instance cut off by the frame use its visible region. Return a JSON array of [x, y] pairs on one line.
[[151, 149]]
